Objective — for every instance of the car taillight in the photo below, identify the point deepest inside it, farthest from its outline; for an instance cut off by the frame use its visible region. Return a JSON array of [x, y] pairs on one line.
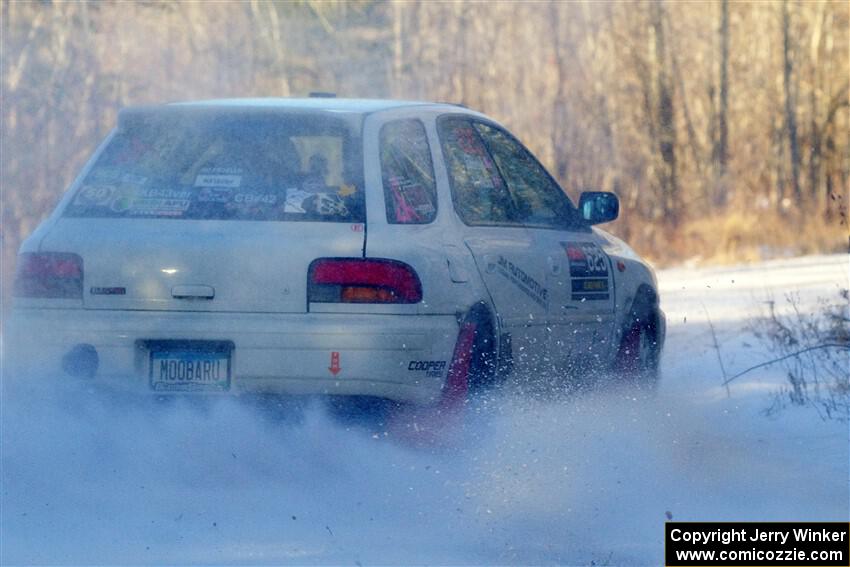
[[49, 274], [355, 280]]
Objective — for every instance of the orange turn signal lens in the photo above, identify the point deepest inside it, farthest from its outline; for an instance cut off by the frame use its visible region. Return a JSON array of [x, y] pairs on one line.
[[358, 294]]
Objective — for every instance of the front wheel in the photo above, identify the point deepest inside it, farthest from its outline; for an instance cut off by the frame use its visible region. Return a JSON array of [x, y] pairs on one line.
[[639, 352]]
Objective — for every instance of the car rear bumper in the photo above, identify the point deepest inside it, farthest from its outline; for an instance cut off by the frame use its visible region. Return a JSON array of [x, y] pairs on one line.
[[378, 355]]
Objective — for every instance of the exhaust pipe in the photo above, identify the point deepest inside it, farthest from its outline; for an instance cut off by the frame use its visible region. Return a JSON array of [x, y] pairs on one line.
[[81, 361]]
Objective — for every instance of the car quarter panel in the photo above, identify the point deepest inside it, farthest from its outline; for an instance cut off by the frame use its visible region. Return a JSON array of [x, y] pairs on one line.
[[434, 249]]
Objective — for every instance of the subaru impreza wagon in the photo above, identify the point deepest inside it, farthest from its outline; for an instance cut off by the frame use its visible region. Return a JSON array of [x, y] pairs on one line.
[[400, 250]]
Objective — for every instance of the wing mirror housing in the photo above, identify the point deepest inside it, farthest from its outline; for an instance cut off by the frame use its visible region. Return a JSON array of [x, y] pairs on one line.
[[597, 207]]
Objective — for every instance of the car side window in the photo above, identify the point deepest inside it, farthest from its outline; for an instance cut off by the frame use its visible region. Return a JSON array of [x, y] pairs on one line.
[[539, 200], [480, 194], [410, 190]]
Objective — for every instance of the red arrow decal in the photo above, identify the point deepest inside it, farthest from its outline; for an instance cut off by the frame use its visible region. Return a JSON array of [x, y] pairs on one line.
[[334, 367]]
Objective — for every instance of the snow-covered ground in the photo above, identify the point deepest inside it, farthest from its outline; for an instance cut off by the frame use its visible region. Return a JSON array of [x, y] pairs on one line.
[[588, 479]]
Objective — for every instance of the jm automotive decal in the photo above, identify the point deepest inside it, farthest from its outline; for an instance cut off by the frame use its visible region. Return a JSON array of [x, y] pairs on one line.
[[524, 282]]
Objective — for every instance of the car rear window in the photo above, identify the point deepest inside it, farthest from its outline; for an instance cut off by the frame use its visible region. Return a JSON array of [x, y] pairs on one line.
[[270, 167]]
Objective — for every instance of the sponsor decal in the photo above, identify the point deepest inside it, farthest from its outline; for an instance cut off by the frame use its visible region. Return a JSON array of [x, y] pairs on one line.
[[98, 195], [133, 179], [160, 207], [588, 271], [346, 190], [412, 201], [214, 195], [295, 201], [159, 202], [255, 198], [527, 284], [108, 291], [121, 204], [151, 201], [219, 177], [431, 368], [164, 194], [330, 204]]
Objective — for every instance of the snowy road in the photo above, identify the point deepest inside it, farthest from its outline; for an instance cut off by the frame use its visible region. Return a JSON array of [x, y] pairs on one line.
[[576, 481]]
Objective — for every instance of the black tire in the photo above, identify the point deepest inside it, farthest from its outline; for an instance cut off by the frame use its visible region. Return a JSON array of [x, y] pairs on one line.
[[639, 352], [483, 365]]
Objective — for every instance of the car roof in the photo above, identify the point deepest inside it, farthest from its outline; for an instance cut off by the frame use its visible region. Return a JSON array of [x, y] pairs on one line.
[[331, 104], [351, 110]]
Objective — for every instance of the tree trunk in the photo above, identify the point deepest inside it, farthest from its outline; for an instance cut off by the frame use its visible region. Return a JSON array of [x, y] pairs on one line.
[[722, 157], [790, 110], [666, 118]]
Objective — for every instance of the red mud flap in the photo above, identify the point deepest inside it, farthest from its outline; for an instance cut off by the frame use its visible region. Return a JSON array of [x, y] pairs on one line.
[[431, 424]]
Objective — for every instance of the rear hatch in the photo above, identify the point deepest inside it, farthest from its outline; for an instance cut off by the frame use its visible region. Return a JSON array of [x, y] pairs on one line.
[[215, 209], [200, 265]]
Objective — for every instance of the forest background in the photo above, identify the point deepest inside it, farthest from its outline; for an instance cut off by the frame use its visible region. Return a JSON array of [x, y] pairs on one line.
[[724, 127]]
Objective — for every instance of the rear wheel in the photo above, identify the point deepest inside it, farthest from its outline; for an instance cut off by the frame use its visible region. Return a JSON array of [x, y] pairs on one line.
[[472, 370], [482, 373]]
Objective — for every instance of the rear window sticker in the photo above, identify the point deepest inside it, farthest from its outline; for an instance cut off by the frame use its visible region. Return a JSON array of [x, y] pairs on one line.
[[121, 203], [411, 200], [295, 201], [159, 207], [219, 177], [214, 195], [346, 190], [330, 204], [255, 198], [97, 195], [151, 201], [133, 179], [467, 140], [478, 172]]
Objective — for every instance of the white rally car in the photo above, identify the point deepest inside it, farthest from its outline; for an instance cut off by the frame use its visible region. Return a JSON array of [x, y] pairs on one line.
[[399, 250]]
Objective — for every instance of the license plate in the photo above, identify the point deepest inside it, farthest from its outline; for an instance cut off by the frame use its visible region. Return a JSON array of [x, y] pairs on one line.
[[190, 370]]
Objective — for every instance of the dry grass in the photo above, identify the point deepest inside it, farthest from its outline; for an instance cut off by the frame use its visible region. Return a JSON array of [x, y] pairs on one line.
[[746, 235]]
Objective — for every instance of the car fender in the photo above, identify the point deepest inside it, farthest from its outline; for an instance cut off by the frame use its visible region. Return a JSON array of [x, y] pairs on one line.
[[634, 281]]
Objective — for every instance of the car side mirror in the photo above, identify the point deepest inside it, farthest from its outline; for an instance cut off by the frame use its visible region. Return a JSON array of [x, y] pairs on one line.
[[597, 207]]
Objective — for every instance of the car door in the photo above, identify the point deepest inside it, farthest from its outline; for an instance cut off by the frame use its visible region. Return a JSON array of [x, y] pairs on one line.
[[578, 278], [506, 253]]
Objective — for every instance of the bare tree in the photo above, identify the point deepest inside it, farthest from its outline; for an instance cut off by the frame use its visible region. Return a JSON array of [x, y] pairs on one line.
[[790, 100]]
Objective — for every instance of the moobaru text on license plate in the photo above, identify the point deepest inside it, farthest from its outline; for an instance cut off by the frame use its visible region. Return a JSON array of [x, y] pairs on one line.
[[190, 371]]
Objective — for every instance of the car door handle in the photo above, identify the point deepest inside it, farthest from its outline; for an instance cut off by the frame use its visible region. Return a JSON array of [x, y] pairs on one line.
[[193, 292]]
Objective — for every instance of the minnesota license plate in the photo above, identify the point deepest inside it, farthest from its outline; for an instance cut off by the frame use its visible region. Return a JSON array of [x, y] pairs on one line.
[[190, 370]]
